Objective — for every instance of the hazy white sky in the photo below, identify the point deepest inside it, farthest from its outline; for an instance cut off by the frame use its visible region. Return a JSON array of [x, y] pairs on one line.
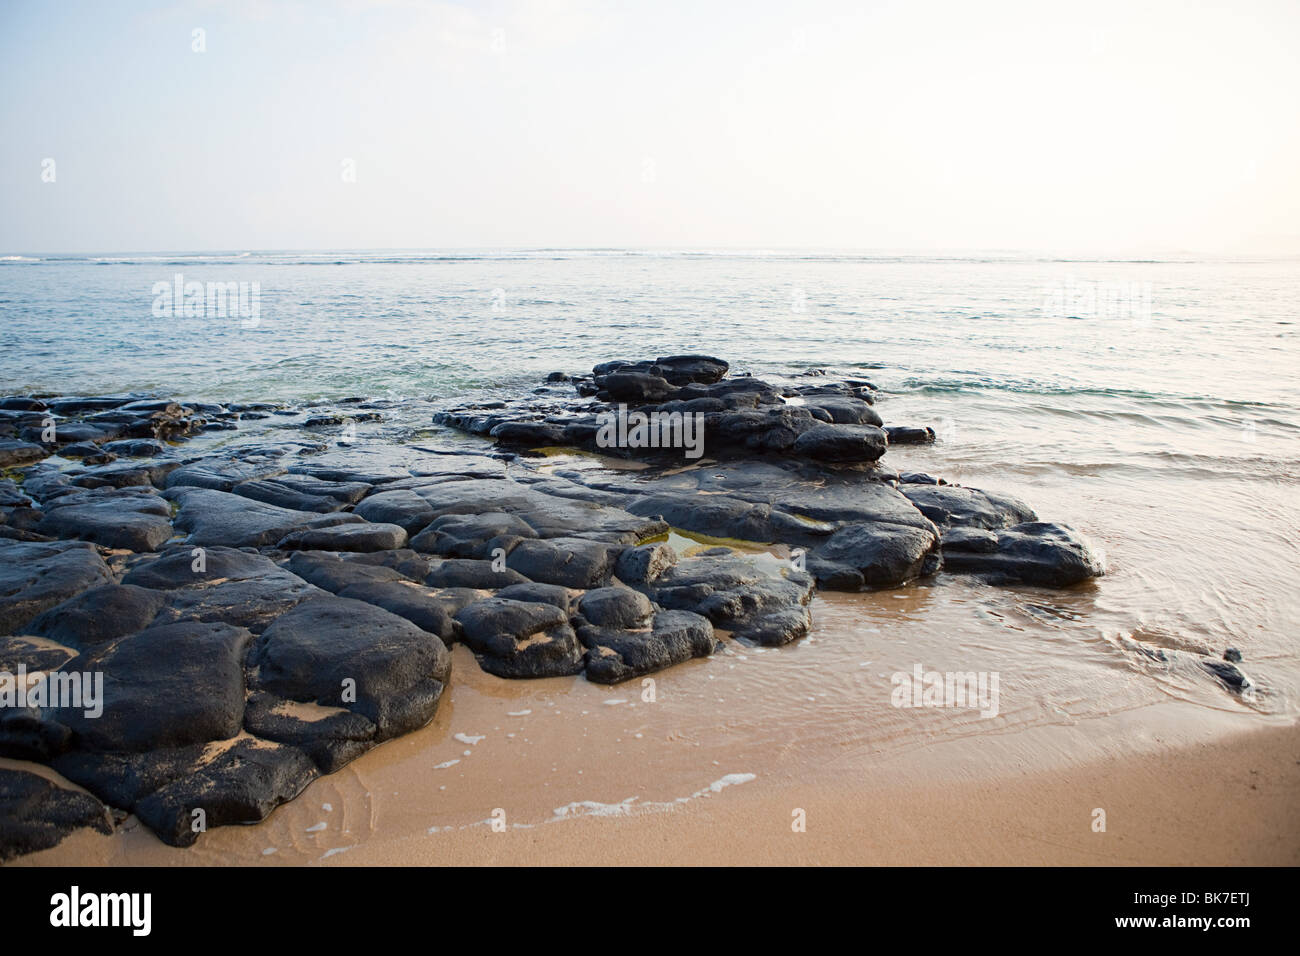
[[1090, 126]]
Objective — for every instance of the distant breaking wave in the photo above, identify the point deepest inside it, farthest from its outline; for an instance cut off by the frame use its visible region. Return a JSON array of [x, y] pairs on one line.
[[419, 257]]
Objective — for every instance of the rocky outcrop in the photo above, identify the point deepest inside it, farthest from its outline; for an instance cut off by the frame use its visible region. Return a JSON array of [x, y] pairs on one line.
[[167, 686], [761, 605], [265, 598], [340, 652], [221, 518]]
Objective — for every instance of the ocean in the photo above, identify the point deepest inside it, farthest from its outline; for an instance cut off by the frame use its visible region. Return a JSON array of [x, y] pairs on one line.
[[1154, 405]]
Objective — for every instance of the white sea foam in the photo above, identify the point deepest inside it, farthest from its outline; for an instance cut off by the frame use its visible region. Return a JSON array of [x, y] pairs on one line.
[[586, 808]]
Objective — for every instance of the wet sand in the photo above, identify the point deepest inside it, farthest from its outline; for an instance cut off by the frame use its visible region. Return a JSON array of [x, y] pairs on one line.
[[576, 773], [1230, 801]]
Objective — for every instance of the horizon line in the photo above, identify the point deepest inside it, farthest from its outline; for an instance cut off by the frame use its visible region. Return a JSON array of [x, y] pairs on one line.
[[701, 250]]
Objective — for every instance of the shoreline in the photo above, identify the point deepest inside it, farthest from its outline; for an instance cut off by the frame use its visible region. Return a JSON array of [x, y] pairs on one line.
[[1008, 819], [1004, 820], [1176, 791]]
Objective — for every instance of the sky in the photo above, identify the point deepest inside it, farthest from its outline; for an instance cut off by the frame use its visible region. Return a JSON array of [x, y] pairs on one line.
[[1110, 128]]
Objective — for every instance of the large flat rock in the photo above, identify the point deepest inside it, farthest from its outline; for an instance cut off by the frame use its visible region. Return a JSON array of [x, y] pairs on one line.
[[341, 652], [133, 521], [218, 517], [35, 576], [166, 686]]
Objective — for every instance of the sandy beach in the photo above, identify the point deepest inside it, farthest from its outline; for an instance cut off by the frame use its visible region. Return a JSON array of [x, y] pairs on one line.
[[1222, 802], [1179, 785]]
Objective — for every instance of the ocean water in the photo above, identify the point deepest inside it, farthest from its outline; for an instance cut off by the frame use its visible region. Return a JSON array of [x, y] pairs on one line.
[[1155, 405]]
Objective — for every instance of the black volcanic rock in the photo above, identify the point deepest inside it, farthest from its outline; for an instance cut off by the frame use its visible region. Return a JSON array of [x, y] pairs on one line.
[[14, 452], [878, 555], [468, 573], [303, 492], [185, 565], [472, 536], [330, 573], [635, 387], [241, 784], [135, 521], [568, 561], [1035, 552], [340, 652], [736, 594], [691, 369], [167, 686], [641, 565], [35, 576], [619, 608], [841, 443], [331, 737], [521, 639], [845, 410], [345, 537], [36, 814], [955, 506], [419, 605], [672, 637], [99, 615], [220, 518], [294, 627], [910, 435]]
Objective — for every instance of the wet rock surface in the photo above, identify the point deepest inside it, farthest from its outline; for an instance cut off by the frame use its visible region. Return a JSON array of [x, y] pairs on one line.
[[35, 576], [520, 638], [627, 636], [267, 592], [133, 520], [219, 517], [166, 686], [340, 652], [738, 595], [1034, 552]]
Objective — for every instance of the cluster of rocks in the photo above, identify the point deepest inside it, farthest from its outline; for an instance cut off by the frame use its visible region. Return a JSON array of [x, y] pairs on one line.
[[267, 609], [741, 416], [99, 429], [795, 464]]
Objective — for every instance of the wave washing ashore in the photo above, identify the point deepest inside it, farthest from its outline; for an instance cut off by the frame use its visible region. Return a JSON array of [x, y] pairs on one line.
[[266, 610]]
